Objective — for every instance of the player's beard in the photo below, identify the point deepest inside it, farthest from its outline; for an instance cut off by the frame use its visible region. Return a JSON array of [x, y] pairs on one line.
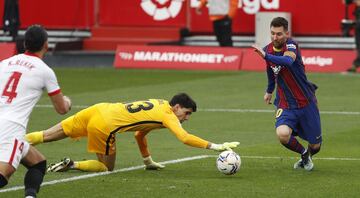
[[278, 44]]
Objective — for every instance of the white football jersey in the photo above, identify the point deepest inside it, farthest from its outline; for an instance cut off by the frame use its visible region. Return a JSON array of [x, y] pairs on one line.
[[23, 78]]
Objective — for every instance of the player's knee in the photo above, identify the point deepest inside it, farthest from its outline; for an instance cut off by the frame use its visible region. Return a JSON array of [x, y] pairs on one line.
[[3, 181], [41, 166], [283, 135], [283, 130]]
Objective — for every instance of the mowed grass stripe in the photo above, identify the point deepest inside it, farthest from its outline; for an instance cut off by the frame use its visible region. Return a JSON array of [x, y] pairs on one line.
[[15, 188], [232, 110]]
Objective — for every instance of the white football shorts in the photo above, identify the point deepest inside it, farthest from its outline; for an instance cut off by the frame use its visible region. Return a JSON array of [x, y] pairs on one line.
[[13, 147]]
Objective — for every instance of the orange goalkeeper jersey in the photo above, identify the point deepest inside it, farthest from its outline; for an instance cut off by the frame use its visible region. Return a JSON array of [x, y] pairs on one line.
[[146, 116]]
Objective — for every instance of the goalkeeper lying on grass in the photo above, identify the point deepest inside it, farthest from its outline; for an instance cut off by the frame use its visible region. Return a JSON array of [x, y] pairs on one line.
[[102, 121]]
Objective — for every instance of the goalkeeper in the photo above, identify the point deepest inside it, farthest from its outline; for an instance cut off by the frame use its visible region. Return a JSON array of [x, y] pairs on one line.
[[100, 123]]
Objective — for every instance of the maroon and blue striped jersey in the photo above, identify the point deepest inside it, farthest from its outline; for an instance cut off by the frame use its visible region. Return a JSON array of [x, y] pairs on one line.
[[293, 90]]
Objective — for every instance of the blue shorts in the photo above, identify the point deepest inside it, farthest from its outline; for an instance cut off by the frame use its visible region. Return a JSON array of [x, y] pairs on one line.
[[304, 122]]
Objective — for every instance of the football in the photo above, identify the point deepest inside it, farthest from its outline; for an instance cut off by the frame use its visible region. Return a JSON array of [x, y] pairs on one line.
[[228, 162]]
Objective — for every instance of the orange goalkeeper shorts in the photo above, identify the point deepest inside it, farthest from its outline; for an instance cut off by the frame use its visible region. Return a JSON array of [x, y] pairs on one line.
[[89, 123]]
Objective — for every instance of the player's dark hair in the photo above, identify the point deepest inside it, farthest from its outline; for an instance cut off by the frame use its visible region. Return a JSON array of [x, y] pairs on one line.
[[183, 100], [280, 22], [35, 37]]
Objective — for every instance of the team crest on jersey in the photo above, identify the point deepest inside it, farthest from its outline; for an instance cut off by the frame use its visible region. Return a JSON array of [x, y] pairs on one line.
[[291, 46], [276, 69], [162, 9]]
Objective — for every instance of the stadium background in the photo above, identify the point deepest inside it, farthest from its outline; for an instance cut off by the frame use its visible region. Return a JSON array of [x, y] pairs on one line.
[[85, 14], [84, 37], [98, 27]]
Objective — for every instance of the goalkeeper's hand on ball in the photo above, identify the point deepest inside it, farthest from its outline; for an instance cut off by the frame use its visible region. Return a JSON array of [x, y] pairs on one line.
[[225, 146], [151, 165]]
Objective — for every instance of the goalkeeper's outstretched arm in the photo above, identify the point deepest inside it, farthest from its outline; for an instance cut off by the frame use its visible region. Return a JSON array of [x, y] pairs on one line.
[[141, 140], [224, 146], [198, 142]]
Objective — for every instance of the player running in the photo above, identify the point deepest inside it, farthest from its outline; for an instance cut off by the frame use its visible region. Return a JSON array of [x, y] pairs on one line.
[[297, 112], [100, 123], [23, 78]]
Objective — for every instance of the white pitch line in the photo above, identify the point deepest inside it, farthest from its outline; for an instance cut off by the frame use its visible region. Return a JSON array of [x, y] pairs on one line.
[[315, 158], [15, 188], [233, 110], [273, 111]]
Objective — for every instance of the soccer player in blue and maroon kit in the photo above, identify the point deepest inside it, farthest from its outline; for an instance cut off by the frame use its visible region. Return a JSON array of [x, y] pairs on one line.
[[297, 112]]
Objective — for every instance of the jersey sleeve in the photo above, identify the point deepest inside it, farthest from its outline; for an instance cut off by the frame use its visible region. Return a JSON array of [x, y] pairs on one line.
[[271, 80], [270, 76], [51, 83], [291, 46], [172, 123]]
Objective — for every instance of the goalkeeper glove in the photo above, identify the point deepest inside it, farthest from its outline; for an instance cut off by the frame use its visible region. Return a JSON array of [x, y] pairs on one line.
[[225, 146], [151, 165]]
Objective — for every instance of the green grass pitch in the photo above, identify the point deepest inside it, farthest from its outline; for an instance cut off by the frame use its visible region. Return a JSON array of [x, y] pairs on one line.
[[225, 101]]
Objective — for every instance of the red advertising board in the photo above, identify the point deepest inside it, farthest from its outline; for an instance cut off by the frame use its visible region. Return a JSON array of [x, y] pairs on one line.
[[7, 50], [172, 57], [170, 13], [314, 60], [64, 14], [308, 17], [216, 58]]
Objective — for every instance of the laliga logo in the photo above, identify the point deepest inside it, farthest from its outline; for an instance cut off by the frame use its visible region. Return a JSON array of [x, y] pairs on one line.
[[318, 60], [159, 10]]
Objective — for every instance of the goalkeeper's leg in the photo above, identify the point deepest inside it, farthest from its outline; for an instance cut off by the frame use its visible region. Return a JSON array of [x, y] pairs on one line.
[[107, 160], [90, 166], [104, 163]]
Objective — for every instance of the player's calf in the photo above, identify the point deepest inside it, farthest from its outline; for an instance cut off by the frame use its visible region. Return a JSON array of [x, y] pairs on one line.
[[314, 148], [33, 178], [294, 145], [86, 165], [92, 166]]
